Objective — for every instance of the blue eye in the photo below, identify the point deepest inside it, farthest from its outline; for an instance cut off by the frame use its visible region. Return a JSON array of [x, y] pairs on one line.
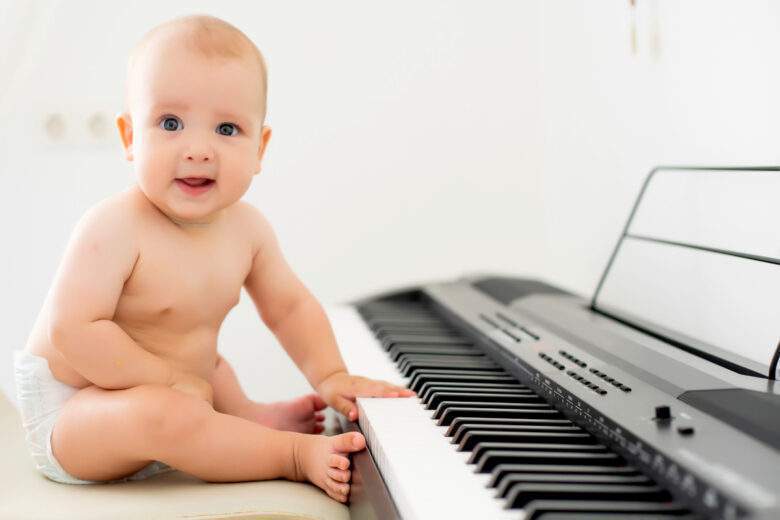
[[172, 126], [227, 126], [172, 123]]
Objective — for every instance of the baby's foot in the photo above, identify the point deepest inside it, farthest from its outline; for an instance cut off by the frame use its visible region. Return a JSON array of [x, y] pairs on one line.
[[324, 461], [296, 415]]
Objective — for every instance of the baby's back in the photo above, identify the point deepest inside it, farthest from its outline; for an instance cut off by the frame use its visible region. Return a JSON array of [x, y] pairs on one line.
[[179, 290]]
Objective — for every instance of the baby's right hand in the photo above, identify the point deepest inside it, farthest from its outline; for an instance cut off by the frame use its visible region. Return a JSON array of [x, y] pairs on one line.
[[193, 385]]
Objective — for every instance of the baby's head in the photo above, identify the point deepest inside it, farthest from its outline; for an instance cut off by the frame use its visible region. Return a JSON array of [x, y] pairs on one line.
[[195, 104]]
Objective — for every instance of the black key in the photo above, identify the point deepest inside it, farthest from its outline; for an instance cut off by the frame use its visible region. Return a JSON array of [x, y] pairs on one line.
[[433, 389], [384, 330], [480, 359], [466, 387], [461, 424], [521, 494], [407, 349], [404, 337], [568, 478], [408, 361], [537, 508], [397, 350], [381, 305], [468, 428], [433, 386], [435, 398], [493, 458], [502, 471], [481, 450], [431, 339], [470, 439], [464, 368], [454, 376], [376, 324], [420, 315], [491, 405], [512, 413], [614, 516]]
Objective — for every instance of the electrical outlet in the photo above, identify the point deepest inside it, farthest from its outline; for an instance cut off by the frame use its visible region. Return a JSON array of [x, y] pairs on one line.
[[66, 128]]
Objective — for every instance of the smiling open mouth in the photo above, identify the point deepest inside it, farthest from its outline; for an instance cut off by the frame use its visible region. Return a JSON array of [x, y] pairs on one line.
[[195, 185]]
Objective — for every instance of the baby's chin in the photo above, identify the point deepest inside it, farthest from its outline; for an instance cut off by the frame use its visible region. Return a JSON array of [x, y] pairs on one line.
[[186, 213], [191, 222], [192, 214]]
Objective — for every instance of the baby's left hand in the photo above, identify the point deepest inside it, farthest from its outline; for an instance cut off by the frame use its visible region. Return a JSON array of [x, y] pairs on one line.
[[340, 390]]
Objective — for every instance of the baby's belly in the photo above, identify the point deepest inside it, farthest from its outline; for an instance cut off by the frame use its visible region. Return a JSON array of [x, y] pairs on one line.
[[194, 352]]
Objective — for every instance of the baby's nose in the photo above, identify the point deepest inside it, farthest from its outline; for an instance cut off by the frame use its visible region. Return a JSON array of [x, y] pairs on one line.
[[201, 156], [198, 151]]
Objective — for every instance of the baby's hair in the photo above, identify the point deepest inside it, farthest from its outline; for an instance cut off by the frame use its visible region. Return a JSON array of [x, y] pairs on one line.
[[210, 37]]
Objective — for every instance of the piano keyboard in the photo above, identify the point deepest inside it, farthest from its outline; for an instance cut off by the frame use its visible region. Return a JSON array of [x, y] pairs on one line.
[[476, 443]]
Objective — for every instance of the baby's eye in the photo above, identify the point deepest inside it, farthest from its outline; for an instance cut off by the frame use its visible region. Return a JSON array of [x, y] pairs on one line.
[[170, 123], [226, 127]]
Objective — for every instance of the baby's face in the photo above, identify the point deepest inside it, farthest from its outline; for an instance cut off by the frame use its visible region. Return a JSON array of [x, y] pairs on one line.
[[192, 116]]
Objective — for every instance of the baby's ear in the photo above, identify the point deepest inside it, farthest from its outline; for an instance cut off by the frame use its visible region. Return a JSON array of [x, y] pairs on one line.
[[265, 136], [125, 125]]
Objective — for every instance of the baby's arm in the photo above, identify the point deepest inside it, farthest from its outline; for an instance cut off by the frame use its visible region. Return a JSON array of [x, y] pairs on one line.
[[99, 258], [291, 312], [300, 323]]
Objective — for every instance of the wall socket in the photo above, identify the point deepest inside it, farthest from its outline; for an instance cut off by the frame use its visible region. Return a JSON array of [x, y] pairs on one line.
[[70, 128]]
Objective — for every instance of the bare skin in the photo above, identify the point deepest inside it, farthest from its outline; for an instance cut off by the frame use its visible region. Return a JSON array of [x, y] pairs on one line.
[[296, 415], [148, 276], [160, 324]]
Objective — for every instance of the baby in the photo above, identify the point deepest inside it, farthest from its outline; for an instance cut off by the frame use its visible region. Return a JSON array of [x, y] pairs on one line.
[[128, 333]]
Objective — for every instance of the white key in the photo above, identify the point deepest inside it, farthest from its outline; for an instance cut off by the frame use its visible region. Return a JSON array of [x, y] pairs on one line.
[[362, 353], [424, 473]]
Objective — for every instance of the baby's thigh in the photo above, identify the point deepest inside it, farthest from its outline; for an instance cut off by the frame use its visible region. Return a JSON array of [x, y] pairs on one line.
[[108, 434]]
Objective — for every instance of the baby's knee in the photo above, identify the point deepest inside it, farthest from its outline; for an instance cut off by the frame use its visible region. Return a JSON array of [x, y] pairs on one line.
[[167, 414]]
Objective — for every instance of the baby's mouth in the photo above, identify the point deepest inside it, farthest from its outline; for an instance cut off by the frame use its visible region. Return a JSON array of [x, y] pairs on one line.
[[196, 181], [195, 185]]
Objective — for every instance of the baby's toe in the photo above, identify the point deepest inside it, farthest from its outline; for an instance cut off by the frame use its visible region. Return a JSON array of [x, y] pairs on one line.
[[338, 461], [339, 487], [317, 401], [337, 490], [348, 442], [335, 495], [339, 475]]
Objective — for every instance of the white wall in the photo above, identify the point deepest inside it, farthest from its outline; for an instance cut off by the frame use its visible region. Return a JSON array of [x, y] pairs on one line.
[[418, 140], [701, 89], [402, 150]]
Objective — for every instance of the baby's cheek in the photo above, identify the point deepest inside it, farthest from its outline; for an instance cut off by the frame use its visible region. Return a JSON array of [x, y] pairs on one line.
[[234, 186]]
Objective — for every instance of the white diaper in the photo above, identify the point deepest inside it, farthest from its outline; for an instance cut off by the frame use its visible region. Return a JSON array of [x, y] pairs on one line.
[[41, 398]]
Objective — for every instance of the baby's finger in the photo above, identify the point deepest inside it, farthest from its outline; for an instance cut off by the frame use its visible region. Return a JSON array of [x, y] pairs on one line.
[[389, 390], [346, 407], [381, 389], [319, 416], [405, 392]]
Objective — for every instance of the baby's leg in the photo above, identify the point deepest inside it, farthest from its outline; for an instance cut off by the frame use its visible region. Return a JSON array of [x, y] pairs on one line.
[[107, 434]]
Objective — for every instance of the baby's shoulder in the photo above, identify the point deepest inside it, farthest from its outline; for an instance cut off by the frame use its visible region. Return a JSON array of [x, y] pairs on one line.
[[106, 227], [249, 217], [253, 222], [118, 212]]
